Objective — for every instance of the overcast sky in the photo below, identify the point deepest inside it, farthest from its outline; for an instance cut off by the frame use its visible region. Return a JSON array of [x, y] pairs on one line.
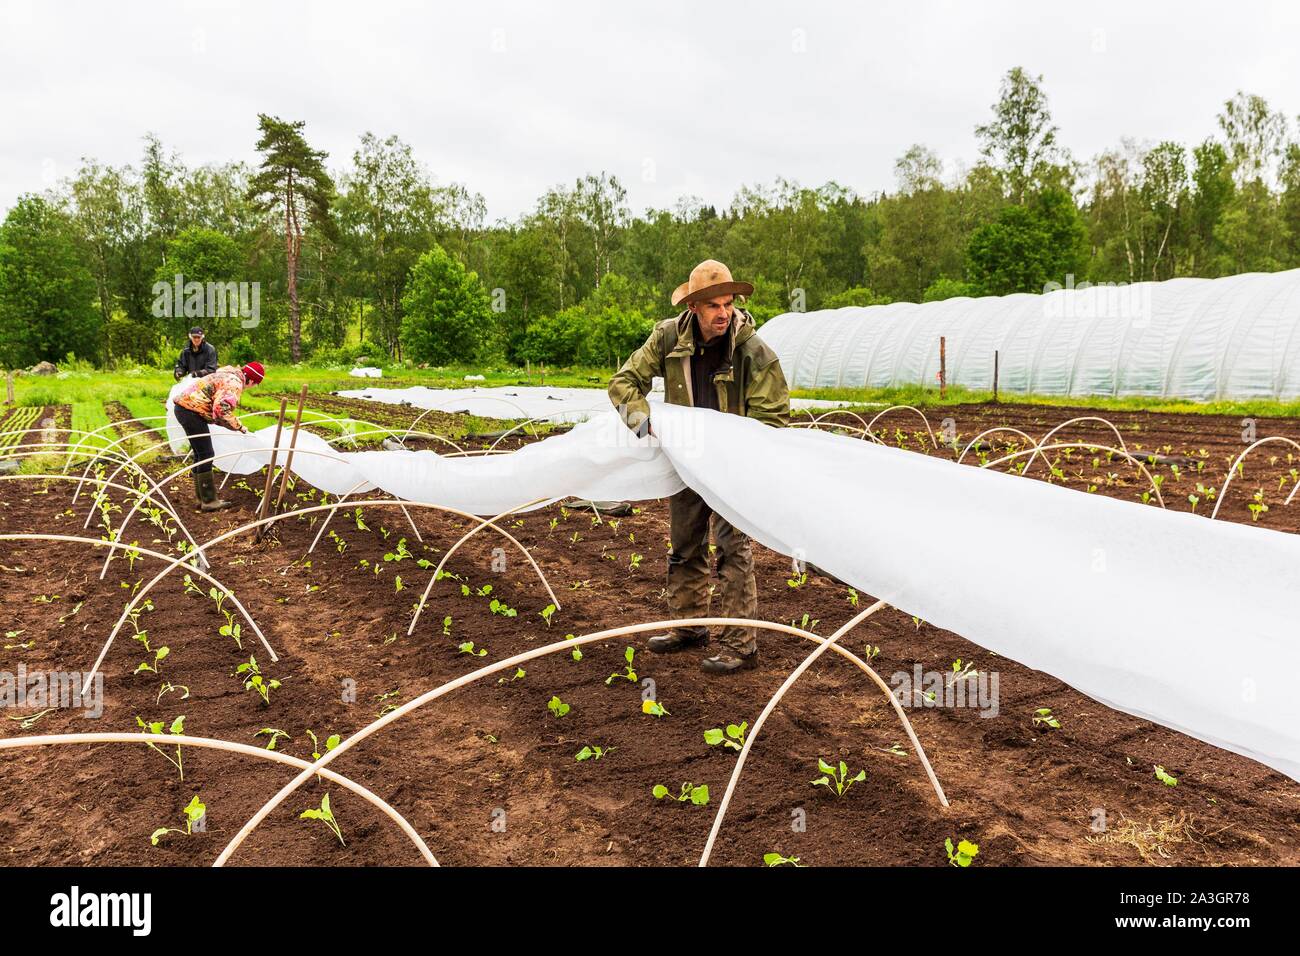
[[672, 98]]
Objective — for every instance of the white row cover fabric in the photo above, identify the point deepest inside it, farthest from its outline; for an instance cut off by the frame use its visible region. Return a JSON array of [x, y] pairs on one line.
[[523, 401], [603, 461], [367, 372], [1169, 616], [1200, 339], [1165, 615]]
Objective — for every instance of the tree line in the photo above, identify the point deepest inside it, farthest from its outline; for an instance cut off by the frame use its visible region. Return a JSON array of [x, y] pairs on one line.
[[375, 258]]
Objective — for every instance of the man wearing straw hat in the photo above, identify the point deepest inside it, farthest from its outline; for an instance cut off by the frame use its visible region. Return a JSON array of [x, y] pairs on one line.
[[709, 356]]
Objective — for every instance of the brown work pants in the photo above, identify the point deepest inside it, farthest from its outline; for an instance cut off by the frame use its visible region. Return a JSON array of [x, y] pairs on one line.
[[689, 572]]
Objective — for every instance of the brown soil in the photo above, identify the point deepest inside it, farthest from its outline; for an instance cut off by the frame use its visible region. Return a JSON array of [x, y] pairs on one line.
[[1026, 795]]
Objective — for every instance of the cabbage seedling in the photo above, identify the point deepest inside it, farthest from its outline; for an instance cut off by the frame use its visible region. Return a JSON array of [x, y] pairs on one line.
[[400, 553], [628, 673], [158, 656], [734, 737], [325, 816], [837, 778], [500, 607], [964, 854], [274, 734], [961, 671], [1168, 779], [519, 674], [331, 742], [231, 628], [654, 707], [1043, 717], [546, 613], [699, 796], [254, 680], [577, 651], [156, 727], [557, 707], [776, 859], [169, 688], [194, 812], [468, 648], [593, 752]]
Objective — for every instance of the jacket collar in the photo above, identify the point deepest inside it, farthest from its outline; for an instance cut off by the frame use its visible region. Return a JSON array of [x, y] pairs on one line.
[[741, 328]]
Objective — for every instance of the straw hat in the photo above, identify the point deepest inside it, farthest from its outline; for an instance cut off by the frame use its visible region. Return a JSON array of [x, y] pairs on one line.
[[710, 278]]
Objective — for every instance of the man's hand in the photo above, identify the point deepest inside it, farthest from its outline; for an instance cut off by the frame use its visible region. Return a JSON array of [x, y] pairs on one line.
[[178, 374]]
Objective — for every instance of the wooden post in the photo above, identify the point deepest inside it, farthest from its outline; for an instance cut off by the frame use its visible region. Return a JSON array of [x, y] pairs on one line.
[[943, 370], [270, 471], [293, 441], [9, 400], [995, 375]]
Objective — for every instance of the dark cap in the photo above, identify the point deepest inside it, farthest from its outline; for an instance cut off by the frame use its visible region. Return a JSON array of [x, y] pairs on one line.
[[196, 331]]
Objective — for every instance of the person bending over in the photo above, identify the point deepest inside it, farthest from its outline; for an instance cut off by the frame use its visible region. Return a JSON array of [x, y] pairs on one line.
[[212, 400]]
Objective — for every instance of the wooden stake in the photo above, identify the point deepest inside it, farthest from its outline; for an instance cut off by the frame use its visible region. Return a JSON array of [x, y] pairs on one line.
[[995, 375], [293, 442], [10, 399], [270, 471], [943, 370]]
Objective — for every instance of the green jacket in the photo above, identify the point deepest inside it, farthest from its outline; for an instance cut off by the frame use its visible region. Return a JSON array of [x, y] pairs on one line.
[[750, 381]]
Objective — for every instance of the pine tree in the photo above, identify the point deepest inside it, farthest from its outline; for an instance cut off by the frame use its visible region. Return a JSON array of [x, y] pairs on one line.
[[292, 180]]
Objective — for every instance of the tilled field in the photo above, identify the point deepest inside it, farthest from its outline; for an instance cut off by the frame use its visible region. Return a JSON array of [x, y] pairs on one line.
[[488, 775]]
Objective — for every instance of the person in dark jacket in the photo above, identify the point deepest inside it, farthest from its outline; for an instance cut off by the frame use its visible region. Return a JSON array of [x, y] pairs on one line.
[[197, 359]]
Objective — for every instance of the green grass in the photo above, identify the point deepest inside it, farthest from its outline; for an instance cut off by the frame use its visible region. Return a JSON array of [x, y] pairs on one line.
[[86, 418], [143, 391]]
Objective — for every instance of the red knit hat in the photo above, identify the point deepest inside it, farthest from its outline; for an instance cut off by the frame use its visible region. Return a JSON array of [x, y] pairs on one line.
[[254, 372]]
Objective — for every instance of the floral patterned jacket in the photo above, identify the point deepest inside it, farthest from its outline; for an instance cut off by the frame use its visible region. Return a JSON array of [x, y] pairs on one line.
[[214, 397]]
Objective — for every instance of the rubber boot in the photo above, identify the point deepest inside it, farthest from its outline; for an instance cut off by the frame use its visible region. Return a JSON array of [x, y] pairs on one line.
[[205, 486]]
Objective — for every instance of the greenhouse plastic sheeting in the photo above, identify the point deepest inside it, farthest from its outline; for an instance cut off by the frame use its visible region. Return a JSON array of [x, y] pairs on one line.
[[1165, 615], [1202, 339]]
